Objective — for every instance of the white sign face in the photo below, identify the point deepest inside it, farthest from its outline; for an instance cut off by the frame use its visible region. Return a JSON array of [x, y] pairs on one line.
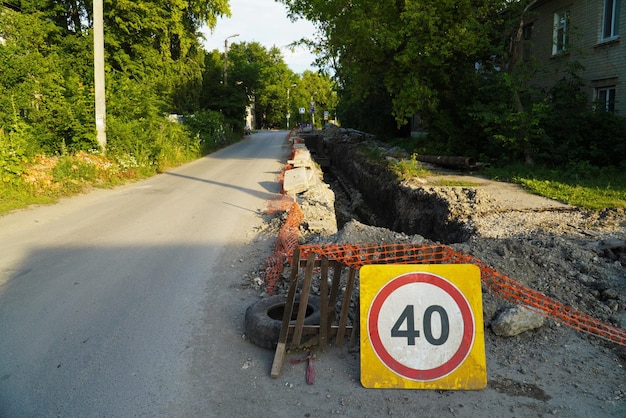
[[421, 326], [302, 111]]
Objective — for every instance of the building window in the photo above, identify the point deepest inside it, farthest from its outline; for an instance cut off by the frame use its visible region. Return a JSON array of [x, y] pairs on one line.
[[561, 32], [605, 97], [610, 19]]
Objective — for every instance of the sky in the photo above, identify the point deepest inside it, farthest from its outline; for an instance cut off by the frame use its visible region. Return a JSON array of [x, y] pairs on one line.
[[265, 22]]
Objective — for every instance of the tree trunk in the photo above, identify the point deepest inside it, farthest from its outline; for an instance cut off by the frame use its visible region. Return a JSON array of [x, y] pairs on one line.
[[514, 57]]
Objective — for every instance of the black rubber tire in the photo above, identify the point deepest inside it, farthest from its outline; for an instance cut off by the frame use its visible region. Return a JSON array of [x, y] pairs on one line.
[[265, 317]]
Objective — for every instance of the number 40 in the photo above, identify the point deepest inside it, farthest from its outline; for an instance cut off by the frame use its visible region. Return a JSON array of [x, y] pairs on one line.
[[410, 333]]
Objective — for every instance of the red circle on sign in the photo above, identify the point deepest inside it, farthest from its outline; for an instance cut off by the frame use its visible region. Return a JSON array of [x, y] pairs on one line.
[[467, 338]]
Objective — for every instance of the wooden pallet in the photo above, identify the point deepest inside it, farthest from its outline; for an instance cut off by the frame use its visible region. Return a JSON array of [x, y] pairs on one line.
[[332, 323]]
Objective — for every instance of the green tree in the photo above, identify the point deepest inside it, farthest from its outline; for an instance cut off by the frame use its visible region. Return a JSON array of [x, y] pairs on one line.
[[45, 81], [271, 98], [153, 64], [259, 77], [318, 91], [414, 49]]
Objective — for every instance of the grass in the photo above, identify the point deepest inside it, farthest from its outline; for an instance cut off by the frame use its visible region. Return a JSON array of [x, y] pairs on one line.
[[410, 168], [455, 183], [578, 185], [12, 198], [46, 179]]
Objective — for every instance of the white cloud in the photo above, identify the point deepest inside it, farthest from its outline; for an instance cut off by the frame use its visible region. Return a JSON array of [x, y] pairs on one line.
[[265, 22]]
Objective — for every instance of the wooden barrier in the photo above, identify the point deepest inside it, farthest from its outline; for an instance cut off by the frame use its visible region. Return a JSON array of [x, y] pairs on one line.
[[333, 322]]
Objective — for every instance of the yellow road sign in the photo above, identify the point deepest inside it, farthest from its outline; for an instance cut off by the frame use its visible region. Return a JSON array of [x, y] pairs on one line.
[[422, 327]]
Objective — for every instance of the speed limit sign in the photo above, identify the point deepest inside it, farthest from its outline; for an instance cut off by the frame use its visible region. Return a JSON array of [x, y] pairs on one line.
[[422, 327]]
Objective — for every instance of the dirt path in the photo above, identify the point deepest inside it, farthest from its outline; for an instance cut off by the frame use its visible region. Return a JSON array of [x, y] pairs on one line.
[[508, 196]]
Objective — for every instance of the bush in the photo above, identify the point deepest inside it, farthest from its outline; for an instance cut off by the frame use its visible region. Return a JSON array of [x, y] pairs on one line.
[[555, 129], [207, 128]]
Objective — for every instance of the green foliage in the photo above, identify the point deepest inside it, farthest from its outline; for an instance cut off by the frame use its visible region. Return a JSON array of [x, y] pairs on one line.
[[554, 130], [410, 168], [154, 63], [207, 127], [71, 173], [458, 65], [579, 184], [455, 183], [256, 75], [15, 148], [148, 148], [319, 89], [12, 157], [44, 82], [231, 99], [398, 58], [365, 104], [578, 133], [404, 168], [15, 197]]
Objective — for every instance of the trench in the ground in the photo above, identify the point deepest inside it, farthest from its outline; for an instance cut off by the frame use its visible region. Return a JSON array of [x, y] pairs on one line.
[[372, 196], [431, 223]]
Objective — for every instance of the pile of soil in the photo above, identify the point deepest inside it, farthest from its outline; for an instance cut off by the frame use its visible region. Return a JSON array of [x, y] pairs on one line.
[[572, 255], [575, 256]]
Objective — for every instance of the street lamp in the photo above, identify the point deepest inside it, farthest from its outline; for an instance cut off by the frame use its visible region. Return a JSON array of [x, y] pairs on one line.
[[226, 57]]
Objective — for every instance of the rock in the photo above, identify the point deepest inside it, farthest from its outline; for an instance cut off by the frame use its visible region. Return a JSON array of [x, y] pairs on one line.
[[609, 294], [515, 320], [296, 181], [612, 243]]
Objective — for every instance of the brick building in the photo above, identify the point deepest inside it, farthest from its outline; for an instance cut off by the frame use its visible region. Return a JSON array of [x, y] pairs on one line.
[[562, 32]]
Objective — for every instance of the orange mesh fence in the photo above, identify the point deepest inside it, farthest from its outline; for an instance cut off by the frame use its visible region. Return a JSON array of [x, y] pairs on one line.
[[286, 243], [280, 203], [496, 283], [356, 255], [288, 235]]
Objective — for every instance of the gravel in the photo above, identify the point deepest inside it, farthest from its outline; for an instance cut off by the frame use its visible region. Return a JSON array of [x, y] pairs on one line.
[[575, 256]]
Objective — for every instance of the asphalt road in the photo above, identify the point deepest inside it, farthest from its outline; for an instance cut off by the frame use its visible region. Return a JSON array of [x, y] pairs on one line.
[[130, 303], [106, 298]]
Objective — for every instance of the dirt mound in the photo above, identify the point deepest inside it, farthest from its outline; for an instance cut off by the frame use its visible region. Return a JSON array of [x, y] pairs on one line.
[[569, 254]]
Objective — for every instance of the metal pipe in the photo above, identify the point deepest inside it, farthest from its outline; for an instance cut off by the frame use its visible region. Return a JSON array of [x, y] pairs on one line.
[[449, 162]]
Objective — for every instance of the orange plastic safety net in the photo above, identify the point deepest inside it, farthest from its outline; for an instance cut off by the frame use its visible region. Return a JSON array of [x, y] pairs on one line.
[[288, 235], [496, 283], [355, 255], [286, 243]]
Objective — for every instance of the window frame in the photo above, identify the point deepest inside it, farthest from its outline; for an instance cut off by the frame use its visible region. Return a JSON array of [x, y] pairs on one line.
[[610, 20], [560, 32], [605, 97]]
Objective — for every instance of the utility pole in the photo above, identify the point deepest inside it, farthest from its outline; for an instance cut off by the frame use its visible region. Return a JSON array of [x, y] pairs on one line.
[[288, 115], [98, 64], [226, 57], [289, 105]]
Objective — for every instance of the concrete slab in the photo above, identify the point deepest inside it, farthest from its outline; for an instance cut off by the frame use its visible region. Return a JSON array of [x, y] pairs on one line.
[[301, 163], [296, 181], [302, 154]]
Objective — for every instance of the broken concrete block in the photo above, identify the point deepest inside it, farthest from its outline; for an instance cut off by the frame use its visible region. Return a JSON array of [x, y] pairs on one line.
[[296, 181], [515, 320], [302, 154], [300, 163]]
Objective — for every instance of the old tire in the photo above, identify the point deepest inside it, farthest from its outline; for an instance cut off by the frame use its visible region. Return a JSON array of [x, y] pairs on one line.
[[264, 318]]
